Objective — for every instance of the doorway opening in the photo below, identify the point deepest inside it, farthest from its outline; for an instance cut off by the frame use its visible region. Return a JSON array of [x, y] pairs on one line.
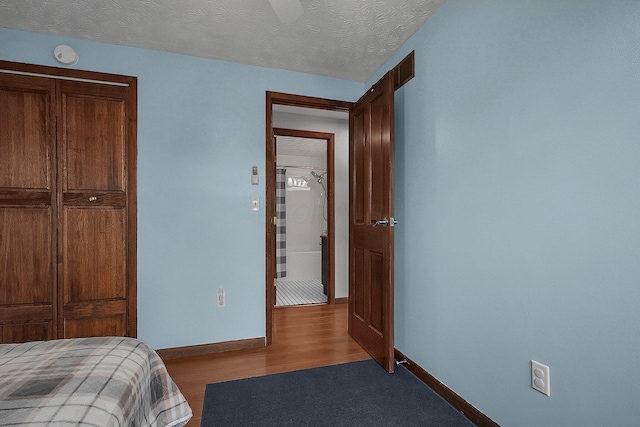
[[304, 214], [370, 205], [283, 104]]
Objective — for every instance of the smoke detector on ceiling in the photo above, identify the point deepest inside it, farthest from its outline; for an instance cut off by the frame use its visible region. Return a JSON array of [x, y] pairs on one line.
[[287, 10], [66, 55]]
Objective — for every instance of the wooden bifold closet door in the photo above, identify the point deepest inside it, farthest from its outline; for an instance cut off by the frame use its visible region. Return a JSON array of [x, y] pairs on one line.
[[67, 204]]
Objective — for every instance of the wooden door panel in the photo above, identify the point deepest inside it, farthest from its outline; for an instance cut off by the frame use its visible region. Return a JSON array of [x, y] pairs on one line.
[[24, 332], [21, 323], [377, 279], [379, 179], [359, 153], [101, 327], [27, 209], [26, 275], [369, 288], [358, 289], [95, 318], [25, 134], [94, 135], [27, 281], [94, 254], [371, 244]]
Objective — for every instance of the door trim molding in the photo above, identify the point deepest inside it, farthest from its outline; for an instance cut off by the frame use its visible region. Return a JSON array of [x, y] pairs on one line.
[[330, 159], [20, 68]]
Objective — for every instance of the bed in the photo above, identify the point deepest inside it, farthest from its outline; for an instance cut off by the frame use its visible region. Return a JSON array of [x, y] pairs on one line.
[[106, 381]]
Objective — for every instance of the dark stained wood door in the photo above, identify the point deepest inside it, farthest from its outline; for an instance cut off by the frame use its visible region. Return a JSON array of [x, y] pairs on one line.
[[93, 209], [67, 203], [370, 239], [28, 286]]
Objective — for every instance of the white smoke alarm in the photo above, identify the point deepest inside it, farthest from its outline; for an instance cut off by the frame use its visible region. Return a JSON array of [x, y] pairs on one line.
[[66, 55]]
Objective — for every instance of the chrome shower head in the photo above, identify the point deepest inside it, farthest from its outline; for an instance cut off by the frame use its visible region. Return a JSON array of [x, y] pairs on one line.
[[318, 177]]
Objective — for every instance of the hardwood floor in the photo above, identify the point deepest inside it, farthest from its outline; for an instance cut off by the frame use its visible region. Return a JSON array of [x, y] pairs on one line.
[[303, 337]]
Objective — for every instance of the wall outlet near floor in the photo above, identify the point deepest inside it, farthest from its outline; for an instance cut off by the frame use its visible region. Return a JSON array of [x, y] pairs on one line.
[[540, 377], [220, 298]]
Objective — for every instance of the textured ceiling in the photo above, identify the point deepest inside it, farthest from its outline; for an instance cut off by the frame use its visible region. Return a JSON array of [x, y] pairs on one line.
[[347, 39]]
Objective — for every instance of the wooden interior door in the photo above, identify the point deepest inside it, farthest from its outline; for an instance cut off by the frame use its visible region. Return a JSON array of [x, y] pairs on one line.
[[93, 210], [370, 239], [28, 286]]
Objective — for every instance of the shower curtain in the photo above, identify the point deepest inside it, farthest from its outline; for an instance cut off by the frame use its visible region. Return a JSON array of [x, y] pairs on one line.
[[281, 223]]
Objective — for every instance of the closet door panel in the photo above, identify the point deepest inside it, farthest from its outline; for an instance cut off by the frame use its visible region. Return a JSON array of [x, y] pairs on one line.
[[27, 209], [94, 254], [94, 271], [94, 239], [90, 327], [25, 332], [25, 134], [94, 148], [25, 251]]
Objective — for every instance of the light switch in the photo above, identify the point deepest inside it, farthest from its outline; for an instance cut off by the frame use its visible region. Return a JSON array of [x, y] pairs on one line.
[[255, 203]]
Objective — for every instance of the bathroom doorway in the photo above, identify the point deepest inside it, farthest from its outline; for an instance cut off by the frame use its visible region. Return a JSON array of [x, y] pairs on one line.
[[295, 112], [304, 217]]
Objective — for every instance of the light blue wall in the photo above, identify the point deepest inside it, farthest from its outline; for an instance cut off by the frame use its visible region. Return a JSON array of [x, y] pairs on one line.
[[518, 191], [517, 187], [201, 127]]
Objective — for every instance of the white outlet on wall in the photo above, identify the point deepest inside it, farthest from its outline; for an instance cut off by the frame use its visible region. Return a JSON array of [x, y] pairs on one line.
[[220, 298], [540, 377]]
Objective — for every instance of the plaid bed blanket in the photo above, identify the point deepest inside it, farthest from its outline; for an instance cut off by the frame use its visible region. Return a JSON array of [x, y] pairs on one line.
[[106, 381]]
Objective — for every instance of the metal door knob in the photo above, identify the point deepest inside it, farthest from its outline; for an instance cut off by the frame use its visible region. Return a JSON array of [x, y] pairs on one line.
[[383, 222]]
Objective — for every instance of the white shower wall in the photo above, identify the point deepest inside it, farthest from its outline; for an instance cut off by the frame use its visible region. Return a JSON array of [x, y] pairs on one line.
[[304, 265], [305, 221]]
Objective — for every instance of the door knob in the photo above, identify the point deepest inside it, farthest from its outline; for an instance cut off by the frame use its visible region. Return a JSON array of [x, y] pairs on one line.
[[383, 222]]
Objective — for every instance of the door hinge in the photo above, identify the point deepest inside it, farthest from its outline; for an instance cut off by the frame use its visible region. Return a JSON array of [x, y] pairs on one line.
[[275, 282]]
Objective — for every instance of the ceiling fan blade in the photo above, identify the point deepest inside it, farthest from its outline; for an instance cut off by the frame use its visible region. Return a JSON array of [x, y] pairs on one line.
[[287, 10]]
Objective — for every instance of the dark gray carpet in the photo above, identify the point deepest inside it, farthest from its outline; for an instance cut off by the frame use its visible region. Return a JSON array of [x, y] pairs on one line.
[[352, 394]]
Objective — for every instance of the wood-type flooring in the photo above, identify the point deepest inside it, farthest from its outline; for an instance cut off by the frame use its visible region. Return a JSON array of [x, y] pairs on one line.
[[303, 337]]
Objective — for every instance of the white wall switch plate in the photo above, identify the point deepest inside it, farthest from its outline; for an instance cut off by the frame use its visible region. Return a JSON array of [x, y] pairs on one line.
[[220, 302], [255, 203]]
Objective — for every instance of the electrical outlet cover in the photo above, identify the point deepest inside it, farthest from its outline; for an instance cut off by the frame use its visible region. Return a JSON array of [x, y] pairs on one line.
[[540, 379]]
